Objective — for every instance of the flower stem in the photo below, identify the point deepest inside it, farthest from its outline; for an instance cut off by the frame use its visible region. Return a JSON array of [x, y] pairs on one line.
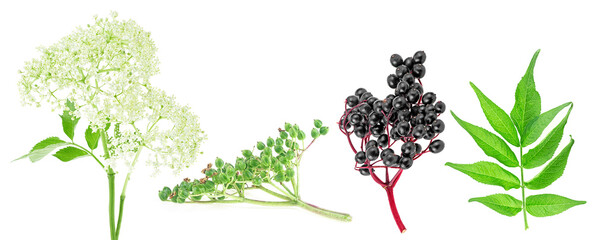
[[111, 180], [390, 192], [324, 212], [123, 195]]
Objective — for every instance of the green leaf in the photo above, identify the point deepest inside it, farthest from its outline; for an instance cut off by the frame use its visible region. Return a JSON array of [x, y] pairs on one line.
[[317, 123], [315, 133], [527, 105], [535, 128], [544, 205], [68, 120], [544, 151], [491, 144], [92, 138], [488, 173], [498, 119], [501, 203], [70, 153], [552, 171], [324, 130], [43, 148]]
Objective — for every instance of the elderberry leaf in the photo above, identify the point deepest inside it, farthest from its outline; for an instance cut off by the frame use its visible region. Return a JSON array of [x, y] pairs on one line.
[[536, 127], [69, 153], [490, 143], [545, 205], [527, 105], [43, 148], [502, 203], [488, 173], [552, 171], [69, 121], [544, 151], [498, 119], [92, 138]]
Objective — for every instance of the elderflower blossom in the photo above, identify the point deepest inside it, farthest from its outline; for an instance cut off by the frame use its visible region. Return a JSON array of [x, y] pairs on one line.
[[104, 69]]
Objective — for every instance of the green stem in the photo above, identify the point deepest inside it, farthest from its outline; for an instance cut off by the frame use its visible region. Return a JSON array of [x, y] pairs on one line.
[[111, 180], [324, 212], [90, 153], [273, 193], [123, 195], [523, 190]]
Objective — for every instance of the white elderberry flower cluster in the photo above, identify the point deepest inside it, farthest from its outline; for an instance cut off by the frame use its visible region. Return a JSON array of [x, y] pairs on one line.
[[104, 69]]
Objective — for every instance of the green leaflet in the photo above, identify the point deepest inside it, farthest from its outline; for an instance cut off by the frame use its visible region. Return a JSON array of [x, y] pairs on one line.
[[498, 119], [491, 144], [527, 105], [68, 120], [43, 148], [535, 128], [92, 138], [552, 171], [544, 151], [488, 173], [544, 205], [69, 153], [501, 203]]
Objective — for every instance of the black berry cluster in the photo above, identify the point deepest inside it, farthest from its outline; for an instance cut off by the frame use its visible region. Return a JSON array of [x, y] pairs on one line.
[[408, 115]]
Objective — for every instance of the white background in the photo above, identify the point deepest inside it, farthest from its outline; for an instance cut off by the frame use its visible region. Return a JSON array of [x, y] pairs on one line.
[[246, 67]]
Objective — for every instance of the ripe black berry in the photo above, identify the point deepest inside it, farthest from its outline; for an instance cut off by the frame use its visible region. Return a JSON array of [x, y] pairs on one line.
[[377, 106], [419, 148], [365, 96], [387, 105], [418, 131], [352, 101], [419, 57], [429, 98], [371, 100], [371, 143], [360, 157], [401, 70], [438, 126], [408, 78], [440, 107], [404, 115], [382, 140], [391, 160], [436, 146], [408, 149], [399, 102], [403, 128], [360, 131], [356, 118], [377, 130], [430, 117], [418, 70], [406, 162], [364, 171], [396, 60], [402, 88], [386, 152], [413, 96], [372, 153], [375, 118], [429, 133], [408, 62], [365, 109], [392, 81], [417, 86], [360, 92]]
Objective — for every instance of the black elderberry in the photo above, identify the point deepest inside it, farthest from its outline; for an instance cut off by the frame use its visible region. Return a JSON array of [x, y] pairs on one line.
[[356, 118], [408, 78], [406, 162], [417, 86], [365, 109], [396, 60], [403, 128], [386, 152], [402, 88], [352, 101], [382, 140], [429, 133], [418, 131], [429, 98], [399, 102], [392, 81], [360, 131], [401, 70], [438, 126], [430, 117], [364, 171], [370, 144], [365, 96], [408, 149], [419, 119], [371, 100], [419, 57], [414, 110], [360, 157], [378, 106], [372, 153], [418, 70], [391, 160], [440, 107], [360, 92], [413, 96], [387, 105], [436, 146], [375, 118], [419, 148], [404, 115], [429, 108], [377, 130], [408, 62], [394, 134]]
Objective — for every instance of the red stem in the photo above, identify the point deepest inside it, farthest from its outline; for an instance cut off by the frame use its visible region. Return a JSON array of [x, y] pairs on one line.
[[390, 192]]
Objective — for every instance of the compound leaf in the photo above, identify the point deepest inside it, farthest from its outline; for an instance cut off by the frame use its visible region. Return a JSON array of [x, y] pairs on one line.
[[552, 171], [488, 173], [545, 150], [498, 119], [535, 128], [491, 144], [545, 205], [527, 105], [502, 203], [69, 153], [43, 148]]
